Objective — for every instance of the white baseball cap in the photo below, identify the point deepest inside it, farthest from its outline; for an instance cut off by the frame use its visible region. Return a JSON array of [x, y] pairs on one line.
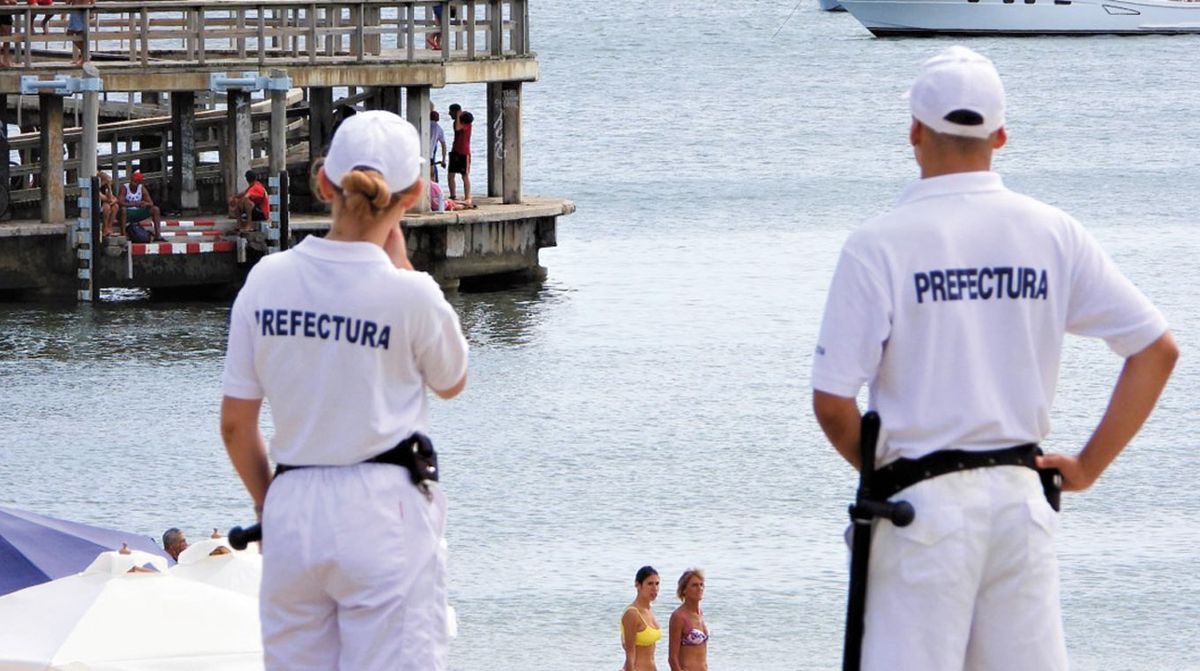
[[379, 141], [958, 80]]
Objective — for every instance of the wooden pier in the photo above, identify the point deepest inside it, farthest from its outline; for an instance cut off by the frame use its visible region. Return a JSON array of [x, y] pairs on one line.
[[254, 84]]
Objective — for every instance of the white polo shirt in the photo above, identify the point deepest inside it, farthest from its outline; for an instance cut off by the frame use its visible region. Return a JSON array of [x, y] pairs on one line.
[[342, 345], [953, 306]]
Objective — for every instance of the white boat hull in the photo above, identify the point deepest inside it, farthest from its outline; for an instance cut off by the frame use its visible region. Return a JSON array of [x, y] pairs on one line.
[[886, 18]]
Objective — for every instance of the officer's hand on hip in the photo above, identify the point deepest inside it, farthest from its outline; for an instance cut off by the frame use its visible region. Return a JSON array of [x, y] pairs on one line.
[[1076, 476]]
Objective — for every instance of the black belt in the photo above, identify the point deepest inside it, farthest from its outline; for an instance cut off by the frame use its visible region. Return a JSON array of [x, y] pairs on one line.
[[415, 453], [903, 473]]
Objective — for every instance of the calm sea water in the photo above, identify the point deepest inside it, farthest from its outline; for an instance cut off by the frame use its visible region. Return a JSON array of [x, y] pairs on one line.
[[650, 402]]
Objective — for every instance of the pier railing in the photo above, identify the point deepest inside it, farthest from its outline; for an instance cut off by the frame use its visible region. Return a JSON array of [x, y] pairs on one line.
[[272, 32], [127, 148]]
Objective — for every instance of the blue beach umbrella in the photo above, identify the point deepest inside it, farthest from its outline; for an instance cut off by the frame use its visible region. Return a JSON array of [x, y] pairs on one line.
[[35, 549]]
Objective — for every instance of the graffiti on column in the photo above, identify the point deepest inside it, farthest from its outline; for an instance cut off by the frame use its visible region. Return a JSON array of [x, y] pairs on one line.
[[498, 131], [509, 100]]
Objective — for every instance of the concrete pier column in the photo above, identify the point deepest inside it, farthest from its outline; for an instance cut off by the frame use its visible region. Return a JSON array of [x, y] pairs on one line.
[[236, 148], [50, 146], [389, 98], [417, 104], [320, 120], [184, 195], [511, 104], [149, 164], [495, 141], [277, 159], [91, 126]]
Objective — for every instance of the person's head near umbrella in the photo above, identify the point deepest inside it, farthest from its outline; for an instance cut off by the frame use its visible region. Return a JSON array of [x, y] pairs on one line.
[[174, 542]]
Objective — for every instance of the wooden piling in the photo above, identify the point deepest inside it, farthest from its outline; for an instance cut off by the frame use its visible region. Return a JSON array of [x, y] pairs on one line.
[[495, 141], [51, 145], [236, 157], [91, 128], [278, 151], [185, 195], [149, 164], [320, 120], [390, 98]]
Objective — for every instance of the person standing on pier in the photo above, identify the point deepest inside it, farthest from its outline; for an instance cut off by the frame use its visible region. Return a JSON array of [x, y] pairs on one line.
[[460, 152], [76, 25], [436, 137], [344, 338], [953, 307]]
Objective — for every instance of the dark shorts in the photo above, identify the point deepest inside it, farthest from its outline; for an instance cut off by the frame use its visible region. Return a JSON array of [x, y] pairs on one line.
[[257, 215], [133, 214], [458, 163], [6, 19]]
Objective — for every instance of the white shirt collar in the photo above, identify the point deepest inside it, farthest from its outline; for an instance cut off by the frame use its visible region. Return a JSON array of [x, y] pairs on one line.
[[338, 250], [952, 184]]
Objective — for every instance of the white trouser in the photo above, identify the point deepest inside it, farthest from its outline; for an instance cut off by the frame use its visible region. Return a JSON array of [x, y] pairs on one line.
[[354, 571], [972, 583]]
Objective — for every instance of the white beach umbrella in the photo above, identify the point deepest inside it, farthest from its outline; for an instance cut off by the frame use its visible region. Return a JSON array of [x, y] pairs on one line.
[[124, 560], [104, 621], [240, 572]]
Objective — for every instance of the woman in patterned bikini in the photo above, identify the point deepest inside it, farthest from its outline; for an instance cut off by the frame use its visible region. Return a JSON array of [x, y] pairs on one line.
[[688, 650]]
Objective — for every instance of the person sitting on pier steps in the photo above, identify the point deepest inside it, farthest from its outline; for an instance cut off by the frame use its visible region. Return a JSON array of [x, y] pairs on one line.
[[174, 542], [136, 206], [250, 205], [108, 205]]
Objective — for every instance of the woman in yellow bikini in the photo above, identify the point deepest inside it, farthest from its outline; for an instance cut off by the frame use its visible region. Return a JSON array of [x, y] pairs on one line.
[[639, 627]]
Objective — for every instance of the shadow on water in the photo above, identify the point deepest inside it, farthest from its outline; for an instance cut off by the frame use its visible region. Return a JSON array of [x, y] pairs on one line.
[[129, 324], [123, 325], [507, 316]]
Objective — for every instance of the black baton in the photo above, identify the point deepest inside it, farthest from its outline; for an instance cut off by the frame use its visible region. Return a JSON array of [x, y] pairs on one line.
[[239, 538], [864, 509]]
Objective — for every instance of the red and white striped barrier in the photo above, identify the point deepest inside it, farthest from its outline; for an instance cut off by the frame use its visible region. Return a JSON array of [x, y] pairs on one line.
[[163, 248], [192, 234], [193, 223]]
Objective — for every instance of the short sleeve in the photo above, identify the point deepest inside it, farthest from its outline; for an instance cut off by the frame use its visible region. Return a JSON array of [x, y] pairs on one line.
[[856, 324], [1105, 304], [240, 379], [440, 348]]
